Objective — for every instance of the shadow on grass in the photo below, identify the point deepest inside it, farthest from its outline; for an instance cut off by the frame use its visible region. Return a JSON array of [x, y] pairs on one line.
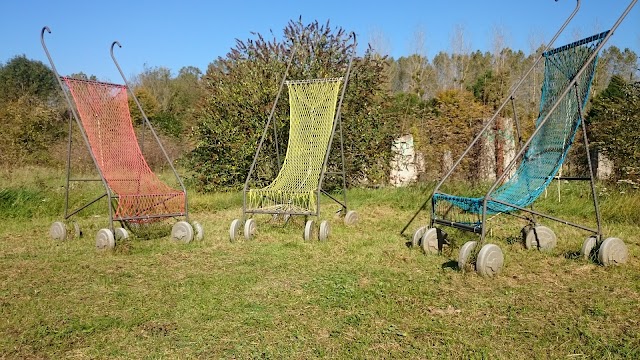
[[451, 264], [513, 240], [572, 255]]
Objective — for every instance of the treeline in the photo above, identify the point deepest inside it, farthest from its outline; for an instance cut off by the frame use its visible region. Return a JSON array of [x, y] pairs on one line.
[[211, 122]]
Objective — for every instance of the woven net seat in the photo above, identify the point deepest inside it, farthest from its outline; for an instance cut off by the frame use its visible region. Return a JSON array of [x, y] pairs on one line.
[[312, 105], [548, 149], [103, 109]]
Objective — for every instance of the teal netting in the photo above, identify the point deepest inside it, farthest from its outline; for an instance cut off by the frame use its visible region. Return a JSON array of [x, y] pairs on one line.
[[548, 149]]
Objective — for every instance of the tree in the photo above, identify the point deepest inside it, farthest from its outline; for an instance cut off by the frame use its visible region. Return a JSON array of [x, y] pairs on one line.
[[83, 76], [30, 126], [445, 124], [21, 77], [171, 100], [460, 49], [414, 74], [612, 62], [157, 82], [148, 103], [187, 92], [409, 112], [614, 126], [442, 64], [30, 112], [240, 89]]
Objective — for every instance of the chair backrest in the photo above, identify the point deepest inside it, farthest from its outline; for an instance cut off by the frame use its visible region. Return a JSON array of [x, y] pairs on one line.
[[312, 105], [548, 149], [104, 113]]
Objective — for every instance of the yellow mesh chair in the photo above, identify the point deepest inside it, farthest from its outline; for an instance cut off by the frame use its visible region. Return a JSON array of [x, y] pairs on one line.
[[314, 115]]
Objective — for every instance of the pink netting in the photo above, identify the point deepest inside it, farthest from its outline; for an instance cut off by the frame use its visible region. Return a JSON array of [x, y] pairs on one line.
[[104, 112]]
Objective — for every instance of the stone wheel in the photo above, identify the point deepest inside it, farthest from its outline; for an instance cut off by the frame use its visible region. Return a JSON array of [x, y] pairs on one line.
[[325, 230], [417, 236], [234, 230], [121, 233], [182, 231], [350, 218], [613, 251], [309, 226], [105, 240], [58, 231], [465, 253], [76, 230], [587, 247], [490, 260], [540, 237], [250, 229], [197, 227], [430, 241]]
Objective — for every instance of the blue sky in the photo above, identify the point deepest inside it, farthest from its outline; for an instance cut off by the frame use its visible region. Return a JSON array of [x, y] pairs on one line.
[[189, 32]]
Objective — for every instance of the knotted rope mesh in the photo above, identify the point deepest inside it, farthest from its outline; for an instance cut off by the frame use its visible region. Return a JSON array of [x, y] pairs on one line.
[[312, 106], [548, 149], [104, 113]]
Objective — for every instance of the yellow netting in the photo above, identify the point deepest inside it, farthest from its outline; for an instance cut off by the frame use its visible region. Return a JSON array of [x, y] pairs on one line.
[[312, 106]]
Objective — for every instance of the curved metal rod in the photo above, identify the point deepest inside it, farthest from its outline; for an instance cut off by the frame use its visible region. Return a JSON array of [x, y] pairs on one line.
[[495, 115], [111, 52], [46, 51], [55, 70], [266, 128], [339, 109], [338, 121], [82, 132], [153, 132]]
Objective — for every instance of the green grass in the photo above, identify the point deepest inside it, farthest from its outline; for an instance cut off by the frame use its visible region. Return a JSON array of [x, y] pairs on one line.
[[363, 294]]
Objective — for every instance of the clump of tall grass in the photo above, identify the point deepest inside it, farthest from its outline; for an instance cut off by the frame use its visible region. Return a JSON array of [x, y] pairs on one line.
[[21, 203]]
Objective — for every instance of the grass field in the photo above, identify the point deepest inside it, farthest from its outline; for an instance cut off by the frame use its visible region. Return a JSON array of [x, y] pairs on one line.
[[363, 294]]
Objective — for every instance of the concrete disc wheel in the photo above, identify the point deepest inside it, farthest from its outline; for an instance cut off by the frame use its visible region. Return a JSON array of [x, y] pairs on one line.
[[197, 227], [182, 231], [417, 236], [58, 231], [587, 247], [490, 260], [540, 237], [105, 239], [465, 253], [76, 230], [309, 227], [613, 251], [325, 230], [250, 228], [430, 241], [350, 218], [121, 234], [234, 230]]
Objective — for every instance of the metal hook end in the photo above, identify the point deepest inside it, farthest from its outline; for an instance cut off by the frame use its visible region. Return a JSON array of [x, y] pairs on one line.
[[112, 45], [44, 29]]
